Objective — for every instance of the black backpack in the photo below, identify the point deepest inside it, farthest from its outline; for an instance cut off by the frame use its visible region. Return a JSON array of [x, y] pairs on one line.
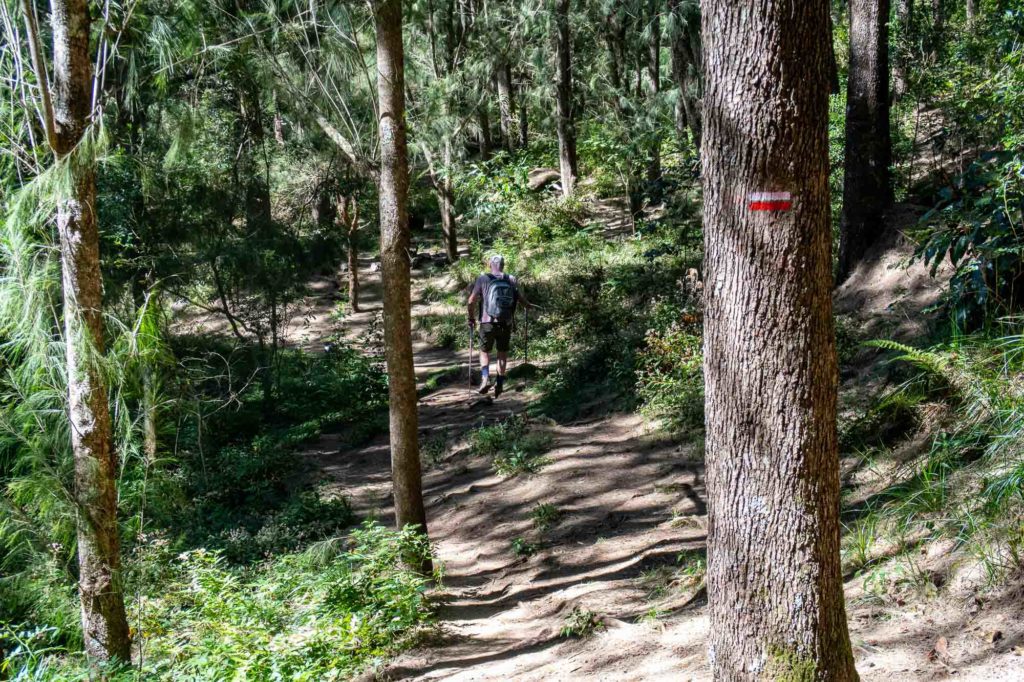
[[500, 299]]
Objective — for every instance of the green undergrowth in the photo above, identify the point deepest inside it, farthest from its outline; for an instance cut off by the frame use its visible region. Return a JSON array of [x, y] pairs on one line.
[[320, 614], [227, 496], [448, 330], [942, 453], [513, 447]]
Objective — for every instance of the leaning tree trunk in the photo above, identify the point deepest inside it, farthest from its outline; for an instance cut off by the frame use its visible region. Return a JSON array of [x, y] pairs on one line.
[[774, 582], [866, 189], [394, 256], [100, 586], [563, 96]]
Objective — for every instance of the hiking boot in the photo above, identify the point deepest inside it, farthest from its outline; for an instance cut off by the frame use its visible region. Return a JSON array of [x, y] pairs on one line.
[[484, 386], [499, 386]]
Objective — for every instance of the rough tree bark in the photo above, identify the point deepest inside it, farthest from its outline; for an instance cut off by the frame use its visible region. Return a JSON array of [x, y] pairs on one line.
[[653, 88], [866, 190], [563, 97], [774, 583], [394, 255], [104, 624]]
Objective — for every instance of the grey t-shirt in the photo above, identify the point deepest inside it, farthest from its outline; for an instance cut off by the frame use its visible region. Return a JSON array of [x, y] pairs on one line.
[[480, 291]]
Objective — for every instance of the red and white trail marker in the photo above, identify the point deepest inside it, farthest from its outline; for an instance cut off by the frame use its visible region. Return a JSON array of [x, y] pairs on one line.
[[770, 201]]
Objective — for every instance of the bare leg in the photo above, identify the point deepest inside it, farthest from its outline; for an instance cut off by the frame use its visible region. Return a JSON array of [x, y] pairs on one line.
[[485, 359], [502, 362]]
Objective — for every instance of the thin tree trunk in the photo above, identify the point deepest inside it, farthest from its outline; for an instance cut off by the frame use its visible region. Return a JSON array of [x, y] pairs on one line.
[[686, 68], [972, 12], [503, 76], [774, 582], [485, 132], [100, 586], [938, 27], [653, 88], [524, 119], [449, 228], [563, 95], [349, 216], [394, 247], [353, 270], [867, 191], [904, 20]]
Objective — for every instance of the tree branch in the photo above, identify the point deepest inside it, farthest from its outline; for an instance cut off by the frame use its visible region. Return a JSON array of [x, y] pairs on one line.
[[359, 162]]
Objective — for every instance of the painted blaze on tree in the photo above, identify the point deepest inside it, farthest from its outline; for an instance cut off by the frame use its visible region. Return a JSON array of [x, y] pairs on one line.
[[774, 581]]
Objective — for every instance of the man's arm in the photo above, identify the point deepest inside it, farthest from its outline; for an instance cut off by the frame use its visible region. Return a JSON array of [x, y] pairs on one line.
[[471, 309], [521, 294]]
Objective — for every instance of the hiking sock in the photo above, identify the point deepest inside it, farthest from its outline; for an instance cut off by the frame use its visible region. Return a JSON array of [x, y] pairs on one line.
[[485, 375], [499, 385]]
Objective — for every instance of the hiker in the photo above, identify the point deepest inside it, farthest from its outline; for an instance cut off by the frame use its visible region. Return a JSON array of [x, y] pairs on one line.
[[492, 302]]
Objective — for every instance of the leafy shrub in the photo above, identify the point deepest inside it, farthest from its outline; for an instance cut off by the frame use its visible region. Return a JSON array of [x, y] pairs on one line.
[[545, 515], [976, 225], [581, 622], [670, 379], [447, 331], [514, 450], [319, 615], [523, 548]]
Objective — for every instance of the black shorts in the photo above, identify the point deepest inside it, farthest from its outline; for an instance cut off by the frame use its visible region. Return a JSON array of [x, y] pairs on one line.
[[492, 335]]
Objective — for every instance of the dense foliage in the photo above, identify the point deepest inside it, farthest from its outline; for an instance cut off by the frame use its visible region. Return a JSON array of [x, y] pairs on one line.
[[229, 137]]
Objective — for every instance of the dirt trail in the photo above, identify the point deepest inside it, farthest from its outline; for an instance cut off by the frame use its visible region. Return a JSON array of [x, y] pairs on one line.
[[631, 503]]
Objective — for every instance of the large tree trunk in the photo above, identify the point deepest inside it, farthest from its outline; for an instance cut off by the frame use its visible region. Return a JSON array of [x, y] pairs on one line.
[[503, 77], [563, 97], [104, 625], [394, 255], [774, 582], [866, 190]]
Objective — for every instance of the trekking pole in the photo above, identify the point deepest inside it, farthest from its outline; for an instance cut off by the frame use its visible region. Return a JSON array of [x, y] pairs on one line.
[[526, 323], [471, 357]]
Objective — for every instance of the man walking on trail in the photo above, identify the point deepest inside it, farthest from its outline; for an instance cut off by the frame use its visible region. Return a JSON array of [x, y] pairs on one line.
[[492, 303]]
